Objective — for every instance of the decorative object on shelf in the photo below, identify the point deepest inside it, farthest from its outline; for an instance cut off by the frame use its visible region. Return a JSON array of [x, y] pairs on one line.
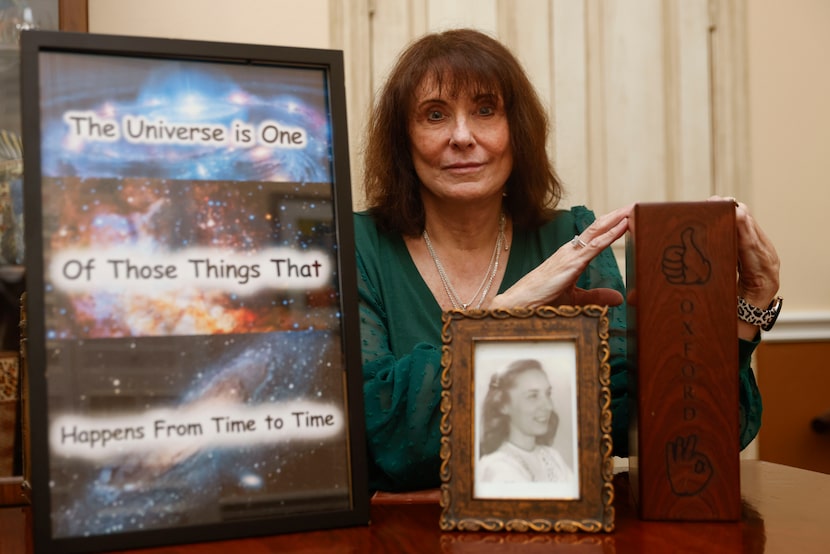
[[11, 198], [15, 18], [9, 411]]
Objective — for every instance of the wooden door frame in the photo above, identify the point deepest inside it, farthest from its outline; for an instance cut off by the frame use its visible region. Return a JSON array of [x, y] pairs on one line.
[[73, 15]]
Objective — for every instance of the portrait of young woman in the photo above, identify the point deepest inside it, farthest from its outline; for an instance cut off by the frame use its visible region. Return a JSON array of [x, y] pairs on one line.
[[526, 423]]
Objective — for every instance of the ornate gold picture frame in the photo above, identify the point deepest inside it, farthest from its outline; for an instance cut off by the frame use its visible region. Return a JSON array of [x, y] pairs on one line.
[[526, 421]]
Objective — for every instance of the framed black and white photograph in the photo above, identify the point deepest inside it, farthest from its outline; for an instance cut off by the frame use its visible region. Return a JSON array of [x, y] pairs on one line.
[[193, 343], [526, 420]]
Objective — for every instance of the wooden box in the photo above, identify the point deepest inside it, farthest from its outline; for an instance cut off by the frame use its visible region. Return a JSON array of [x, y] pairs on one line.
[[681, 261]]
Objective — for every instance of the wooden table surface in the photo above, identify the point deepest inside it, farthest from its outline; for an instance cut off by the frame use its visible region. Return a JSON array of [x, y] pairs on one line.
[[785, 510]]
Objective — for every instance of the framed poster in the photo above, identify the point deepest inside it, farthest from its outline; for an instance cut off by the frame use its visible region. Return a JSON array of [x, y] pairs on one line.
[[530, 448], [193, 343]]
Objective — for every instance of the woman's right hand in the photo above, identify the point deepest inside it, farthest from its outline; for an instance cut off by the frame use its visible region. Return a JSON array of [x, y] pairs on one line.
[[553, 282]]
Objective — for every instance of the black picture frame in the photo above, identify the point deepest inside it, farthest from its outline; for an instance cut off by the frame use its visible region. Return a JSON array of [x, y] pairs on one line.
[[526, 420], [192, 327]]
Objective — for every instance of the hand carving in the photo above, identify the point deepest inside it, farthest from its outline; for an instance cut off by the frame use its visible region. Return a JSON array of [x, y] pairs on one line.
[[689, 471], [685, 264]]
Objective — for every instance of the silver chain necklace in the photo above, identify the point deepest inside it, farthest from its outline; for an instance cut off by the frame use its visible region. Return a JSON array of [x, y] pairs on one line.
[[489, 275]]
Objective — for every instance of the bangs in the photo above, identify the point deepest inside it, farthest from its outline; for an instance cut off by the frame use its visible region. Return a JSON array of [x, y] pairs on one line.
[[454, 74]]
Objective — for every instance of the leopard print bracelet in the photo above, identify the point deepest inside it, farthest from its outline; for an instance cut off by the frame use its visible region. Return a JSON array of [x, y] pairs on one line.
[[764, 319]]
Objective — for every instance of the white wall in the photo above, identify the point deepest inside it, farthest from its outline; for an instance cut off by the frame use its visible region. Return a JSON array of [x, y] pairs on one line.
[[276, 22], [789, 106]]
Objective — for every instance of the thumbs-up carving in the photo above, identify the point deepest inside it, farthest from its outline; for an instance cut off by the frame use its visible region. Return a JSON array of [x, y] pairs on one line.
[[685, 264]]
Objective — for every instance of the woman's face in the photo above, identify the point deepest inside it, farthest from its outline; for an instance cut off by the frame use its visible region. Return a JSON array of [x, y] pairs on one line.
[[460, 145], [530, 406]]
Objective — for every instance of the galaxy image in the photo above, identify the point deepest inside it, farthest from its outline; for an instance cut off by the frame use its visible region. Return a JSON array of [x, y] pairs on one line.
[[173, 484], [191, 299]]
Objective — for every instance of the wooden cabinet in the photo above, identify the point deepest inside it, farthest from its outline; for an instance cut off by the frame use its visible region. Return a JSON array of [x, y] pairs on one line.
[[794, 378]]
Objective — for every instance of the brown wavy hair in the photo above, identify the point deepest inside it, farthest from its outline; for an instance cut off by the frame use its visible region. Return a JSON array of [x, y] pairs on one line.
[[459, 60]]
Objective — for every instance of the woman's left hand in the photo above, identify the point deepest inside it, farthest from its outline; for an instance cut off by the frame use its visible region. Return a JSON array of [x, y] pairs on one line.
[[758, 264]]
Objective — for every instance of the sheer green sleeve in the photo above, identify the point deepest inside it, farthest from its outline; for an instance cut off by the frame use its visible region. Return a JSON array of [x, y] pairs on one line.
[[750, 397], [603, 272], [402, 402]]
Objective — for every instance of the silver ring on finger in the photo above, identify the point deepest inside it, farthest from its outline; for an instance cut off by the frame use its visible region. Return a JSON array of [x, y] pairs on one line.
[[578, 242]]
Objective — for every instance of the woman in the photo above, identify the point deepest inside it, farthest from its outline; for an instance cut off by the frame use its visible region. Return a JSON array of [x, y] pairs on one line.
[[461, 215], [518, 427]]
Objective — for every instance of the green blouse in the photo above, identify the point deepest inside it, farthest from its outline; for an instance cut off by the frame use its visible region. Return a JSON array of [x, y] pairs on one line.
[[400, 327]]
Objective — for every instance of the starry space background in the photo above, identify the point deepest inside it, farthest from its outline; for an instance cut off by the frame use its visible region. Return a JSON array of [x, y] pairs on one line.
[[114, 353]]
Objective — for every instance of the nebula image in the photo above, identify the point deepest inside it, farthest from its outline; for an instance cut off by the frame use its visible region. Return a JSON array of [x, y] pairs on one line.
[[153, 219], [181, 95]]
